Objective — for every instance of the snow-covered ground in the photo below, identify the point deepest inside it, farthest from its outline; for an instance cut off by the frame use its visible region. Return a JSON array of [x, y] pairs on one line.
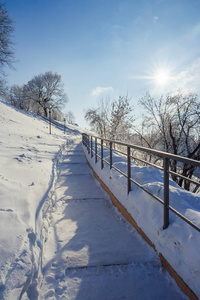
[[61, 238], [28, 155], [179, 243], [91, 252]]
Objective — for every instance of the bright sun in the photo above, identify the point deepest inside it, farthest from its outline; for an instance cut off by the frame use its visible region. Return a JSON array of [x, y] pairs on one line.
[[161, 77]]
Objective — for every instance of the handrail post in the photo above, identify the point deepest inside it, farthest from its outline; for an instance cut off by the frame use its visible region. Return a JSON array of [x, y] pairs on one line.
[[85, 140], [129, 168], [166, 193], [101, 153], [110, 155], [91, 148], [95, 150], [88, 143]]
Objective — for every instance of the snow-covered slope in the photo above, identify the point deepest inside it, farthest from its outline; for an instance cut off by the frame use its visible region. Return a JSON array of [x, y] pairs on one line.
[[28, 154]]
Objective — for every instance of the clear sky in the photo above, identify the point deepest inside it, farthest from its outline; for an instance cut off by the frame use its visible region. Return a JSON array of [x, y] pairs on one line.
[[108, 47]]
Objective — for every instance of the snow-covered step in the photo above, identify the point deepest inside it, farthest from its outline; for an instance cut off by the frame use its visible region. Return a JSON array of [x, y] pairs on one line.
[[91, 251]]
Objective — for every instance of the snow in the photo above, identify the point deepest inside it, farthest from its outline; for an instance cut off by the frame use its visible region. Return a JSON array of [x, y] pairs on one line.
[[61, 237], [91, 252], [28, 158], [179, 243]]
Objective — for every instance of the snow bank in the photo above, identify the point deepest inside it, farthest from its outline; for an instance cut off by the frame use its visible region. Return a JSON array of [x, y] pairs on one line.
[[28, 158], [179, 243]]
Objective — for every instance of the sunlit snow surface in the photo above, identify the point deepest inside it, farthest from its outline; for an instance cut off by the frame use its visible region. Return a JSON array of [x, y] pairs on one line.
[[28, 155], [61, 238], [91, 252], [179, 243]]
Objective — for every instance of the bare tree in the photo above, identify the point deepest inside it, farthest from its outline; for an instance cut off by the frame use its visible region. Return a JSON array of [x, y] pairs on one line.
[[98, 118], [70, 118], [175, 121], [3, 89], [111, 120], [6, 47], [46, 91], [96, 122], [121, 120], [6, 29], [16, 97]]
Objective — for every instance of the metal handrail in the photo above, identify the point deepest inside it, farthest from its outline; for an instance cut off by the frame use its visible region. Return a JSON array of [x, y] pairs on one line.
[[88, 142], [153, 151]]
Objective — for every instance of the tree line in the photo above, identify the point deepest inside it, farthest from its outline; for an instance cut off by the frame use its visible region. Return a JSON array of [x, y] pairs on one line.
[[43, 93], [169, 123]]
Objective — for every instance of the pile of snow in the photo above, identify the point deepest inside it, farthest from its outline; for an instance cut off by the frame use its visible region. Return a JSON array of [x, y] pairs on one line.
[[28, 158], [179, 243]]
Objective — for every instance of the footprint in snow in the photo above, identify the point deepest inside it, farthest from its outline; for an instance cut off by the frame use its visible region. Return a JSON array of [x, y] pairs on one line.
[[18, 159], [6, 210], [22, 156]]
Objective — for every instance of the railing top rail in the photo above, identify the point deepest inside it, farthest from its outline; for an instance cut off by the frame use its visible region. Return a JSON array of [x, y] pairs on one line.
[[155, 152]]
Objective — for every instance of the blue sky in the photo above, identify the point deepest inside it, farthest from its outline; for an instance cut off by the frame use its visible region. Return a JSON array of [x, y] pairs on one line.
[[108, 47]]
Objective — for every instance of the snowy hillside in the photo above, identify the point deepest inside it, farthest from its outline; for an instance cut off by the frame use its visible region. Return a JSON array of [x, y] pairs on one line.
[[28, 155]]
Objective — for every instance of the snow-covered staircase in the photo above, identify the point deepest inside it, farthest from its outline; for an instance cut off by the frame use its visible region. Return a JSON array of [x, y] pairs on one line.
[[91, 251]]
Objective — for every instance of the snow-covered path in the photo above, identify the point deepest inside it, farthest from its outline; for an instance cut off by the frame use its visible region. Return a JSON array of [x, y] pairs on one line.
[[91, 252]]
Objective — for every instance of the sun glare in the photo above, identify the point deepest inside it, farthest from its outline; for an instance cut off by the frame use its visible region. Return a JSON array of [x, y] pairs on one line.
[[161, 77]]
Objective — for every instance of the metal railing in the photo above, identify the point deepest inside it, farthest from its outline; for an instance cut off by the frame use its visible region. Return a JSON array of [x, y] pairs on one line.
[[93, 143]]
